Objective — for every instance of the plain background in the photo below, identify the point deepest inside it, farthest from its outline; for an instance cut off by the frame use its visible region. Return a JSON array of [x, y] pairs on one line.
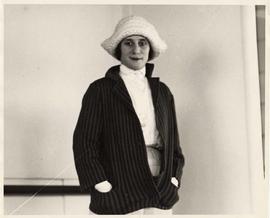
[[52, 53]]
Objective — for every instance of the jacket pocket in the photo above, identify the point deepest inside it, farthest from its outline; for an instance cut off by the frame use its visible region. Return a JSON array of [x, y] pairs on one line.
[[107, 201], [170, 195]]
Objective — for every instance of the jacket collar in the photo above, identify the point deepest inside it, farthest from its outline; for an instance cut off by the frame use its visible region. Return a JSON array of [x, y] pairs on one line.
[[121, 91]]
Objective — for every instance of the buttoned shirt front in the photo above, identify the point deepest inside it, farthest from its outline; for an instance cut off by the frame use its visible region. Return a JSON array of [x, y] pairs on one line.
[[140, 94]]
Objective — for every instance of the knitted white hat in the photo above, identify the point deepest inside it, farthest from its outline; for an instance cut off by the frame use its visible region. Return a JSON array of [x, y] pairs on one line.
[[134, 25]]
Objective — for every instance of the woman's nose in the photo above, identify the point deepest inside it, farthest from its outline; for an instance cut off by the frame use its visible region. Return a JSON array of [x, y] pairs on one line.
[[136, 49]]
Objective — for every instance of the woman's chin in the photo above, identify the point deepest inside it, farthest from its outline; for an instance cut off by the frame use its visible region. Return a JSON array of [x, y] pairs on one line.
[[136, 66]]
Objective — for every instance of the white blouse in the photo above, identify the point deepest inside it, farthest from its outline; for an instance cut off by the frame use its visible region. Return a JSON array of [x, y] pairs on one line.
[[140, 93]]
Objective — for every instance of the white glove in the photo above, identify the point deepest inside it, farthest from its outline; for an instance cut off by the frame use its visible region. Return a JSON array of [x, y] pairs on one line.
[[174, 181], [104, 186]]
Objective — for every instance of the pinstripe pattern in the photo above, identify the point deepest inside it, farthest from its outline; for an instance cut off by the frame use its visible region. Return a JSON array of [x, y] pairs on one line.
[[108, 144]]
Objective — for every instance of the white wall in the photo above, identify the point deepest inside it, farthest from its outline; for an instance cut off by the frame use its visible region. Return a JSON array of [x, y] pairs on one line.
[[52, 53]]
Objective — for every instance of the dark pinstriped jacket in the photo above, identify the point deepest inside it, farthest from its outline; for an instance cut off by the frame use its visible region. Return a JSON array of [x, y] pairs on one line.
[[108, 144]]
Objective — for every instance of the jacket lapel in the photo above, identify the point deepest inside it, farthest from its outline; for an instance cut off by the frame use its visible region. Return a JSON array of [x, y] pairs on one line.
[[154, 86], [121, 92]]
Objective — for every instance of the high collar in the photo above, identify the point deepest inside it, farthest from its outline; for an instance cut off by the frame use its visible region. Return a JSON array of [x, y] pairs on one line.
[[127, 72], [113, 72]]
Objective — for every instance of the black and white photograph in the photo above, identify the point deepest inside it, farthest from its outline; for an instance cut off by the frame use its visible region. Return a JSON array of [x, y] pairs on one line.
[[135, 109]]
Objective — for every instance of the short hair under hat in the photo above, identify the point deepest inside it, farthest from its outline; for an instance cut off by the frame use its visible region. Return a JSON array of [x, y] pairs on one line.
[[134, 25]]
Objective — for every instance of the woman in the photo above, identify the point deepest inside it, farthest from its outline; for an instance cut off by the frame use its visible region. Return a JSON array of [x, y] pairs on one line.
[[126, 144]]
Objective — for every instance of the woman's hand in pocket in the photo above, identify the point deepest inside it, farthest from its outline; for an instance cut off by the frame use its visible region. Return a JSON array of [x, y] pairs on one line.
[[104, 186], [174, 181]]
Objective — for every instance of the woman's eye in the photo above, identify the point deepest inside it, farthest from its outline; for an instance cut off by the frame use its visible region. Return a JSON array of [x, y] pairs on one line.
[[128, 43], [143, 43]]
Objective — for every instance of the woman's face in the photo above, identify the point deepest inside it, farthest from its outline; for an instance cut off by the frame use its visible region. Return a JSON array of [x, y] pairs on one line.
[[134, 52]]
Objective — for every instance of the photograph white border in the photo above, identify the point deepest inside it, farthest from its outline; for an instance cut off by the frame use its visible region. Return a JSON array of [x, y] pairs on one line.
[[262, 192]]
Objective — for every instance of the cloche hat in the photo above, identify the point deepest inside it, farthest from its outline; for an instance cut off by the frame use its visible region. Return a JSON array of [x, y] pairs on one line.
[[134, 25]]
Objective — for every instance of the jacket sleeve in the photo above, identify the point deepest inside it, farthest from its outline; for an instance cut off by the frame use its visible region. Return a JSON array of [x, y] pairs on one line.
[[86, 140], [178, 157]]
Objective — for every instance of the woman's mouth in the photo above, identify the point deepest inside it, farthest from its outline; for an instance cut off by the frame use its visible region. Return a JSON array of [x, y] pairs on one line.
[[135, 58]]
